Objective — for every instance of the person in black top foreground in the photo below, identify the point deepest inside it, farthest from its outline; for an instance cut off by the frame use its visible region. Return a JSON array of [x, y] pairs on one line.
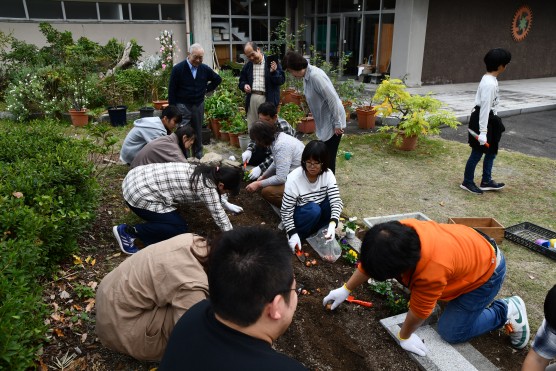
[[253, 298]]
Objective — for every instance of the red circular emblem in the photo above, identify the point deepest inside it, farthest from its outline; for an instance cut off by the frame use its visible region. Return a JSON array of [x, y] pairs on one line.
[[521, 24]]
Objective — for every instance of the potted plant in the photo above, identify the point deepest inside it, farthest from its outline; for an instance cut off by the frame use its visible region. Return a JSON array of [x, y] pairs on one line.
[[307, 124], [292, 113], [350, 227], [238, 126], [78, 102], [418, 115], [349, 93], [365, 116], [222, 110], [116, 93]]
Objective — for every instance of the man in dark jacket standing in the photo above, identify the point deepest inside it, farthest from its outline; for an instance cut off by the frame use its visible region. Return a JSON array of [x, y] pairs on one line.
[[190, 80], [260, 79]]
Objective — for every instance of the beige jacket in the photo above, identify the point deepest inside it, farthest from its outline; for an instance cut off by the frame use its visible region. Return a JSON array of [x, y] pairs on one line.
[[139, 302]]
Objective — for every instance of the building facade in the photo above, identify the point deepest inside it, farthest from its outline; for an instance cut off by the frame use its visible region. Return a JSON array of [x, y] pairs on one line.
[[422, 41]]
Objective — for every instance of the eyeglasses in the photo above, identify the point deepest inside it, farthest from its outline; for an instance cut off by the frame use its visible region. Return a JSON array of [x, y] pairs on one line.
[[312, 164], [297, 290]]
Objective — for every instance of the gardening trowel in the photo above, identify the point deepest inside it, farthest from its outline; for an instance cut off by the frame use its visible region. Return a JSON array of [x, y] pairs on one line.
[[476, 136], [299, 254], [367, 304]]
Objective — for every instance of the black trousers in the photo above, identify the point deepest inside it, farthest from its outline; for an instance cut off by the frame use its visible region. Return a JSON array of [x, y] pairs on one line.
[[194, 114], [332, 145]]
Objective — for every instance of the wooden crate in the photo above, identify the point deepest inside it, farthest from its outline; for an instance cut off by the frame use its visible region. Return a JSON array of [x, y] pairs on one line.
[[489, 226]]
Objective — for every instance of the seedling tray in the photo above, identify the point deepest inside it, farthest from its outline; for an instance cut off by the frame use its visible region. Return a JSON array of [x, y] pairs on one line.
[[527, 233]]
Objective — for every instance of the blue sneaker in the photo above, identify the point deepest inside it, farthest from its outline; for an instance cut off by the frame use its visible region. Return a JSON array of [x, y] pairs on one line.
[[125, 240], [517, 325]]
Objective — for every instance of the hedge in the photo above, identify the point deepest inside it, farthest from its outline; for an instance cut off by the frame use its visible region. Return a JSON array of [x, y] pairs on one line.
[[48, 195]]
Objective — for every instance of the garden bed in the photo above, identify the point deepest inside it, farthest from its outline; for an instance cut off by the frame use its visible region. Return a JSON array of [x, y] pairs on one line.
[[350, 338]]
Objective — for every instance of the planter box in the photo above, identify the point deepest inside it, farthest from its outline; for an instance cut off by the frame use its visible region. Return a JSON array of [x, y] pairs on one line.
[[369, 222], [488, 226], [527, 233]]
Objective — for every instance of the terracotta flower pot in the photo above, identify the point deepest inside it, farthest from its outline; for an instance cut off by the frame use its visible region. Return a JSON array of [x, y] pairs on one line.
[[408, 143], [159, 104], [234, 140], [365, 117], [347, 108], [224, 136], [79, 118], [215, 127], [307, 125]]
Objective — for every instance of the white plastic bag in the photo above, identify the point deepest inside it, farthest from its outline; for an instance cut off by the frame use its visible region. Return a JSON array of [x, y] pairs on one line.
[[328, 250]]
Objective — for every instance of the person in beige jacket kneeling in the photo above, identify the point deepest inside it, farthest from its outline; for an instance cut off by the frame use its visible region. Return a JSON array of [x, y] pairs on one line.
[[140, 301]]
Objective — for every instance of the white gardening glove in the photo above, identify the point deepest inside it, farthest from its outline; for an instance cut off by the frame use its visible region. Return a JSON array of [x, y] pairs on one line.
[[246, 156], [331, 232], [294, 241], [482, 139], [255, 173], [338, 296], [230, 206], [414, 344]]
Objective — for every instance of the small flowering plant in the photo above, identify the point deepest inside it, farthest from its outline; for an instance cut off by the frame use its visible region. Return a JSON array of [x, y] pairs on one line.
[[349, 255], [351, 224], [167, 48]]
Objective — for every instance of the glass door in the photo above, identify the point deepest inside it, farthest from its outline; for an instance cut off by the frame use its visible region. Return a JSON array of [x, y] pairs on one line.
[[350, 43]]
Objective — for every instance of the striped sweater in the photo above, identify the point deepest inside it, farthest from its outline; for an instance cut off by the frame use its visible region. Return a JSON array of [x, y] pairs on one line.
[[299, 191]]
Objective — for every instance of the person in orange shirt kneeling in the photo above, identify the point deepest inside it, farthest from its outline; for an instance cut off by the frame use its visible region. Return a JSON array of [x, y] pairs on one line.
[[440, 262]]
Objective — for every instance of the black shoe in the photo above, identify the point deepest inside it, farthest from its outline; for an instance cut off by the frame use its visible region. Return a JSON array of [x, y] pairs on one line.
[[471, 187], [491, 186]]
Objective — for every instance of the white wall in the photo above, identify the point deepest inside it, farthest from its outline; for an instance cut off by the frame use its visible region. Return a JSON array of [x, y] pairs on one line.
[[144, 33], [410, 28]]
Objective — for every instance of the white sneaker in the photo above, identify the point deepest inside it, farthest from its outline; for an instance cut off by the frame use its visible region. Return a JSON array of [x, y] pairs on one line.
[[517, 325]]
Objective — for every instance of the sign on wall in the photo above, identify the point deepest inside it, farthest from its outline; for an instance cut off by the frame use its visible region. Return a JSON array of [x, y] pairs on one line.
[[521, 24]]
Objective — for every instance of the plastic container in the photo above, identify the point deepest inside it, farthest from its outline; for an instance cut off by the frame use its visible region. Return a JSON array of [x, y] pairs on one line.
[[328, 250], [388, 218]]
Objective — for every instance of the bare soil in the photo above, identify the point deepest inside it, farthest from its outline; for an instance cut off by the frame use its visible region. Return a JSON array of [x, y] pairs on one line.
[[350, 338]]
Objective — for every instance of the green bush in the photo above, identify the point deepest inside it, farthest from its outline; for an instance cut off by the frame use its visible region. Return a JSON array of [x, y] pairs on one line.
[[47, 198]]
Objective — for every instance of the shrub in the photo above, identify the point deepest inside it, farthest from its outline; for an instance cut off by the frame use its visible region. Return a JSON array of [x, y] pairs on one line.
[[47, 198]]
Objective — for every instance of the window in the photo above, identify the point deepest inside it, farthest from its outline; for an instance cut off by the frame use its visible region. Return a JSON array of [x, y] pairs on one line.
[[144, 12], [372, 5], [109, 11], [243, 30], [12, 9], [277, 8], [125, 11], [172, 12], [259, 7], [240, 8], [259, 28], [219, 7], [80, 10], [39, 9], [339, 6]]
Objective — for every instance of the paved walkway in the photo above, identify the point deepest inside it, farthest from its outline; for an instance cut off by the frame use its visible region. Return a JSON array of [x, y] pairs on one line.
[[516, 96]]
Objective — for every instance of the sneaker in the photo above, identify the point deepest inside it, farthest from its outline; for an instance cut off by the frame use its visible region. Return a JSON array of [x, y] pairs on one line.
[[517, 325], [471, 187], [124, 239], [491, 186]]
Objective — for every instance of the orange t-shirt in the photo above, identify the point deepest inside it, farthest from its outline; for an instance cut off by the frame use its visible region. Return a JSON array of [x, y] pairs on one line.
[[455, 259]]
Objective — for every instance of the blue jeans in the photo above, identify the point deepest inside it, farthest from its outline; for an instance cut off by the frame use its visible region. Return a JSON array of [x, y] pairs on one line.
[[159, 226], [467, 316], [310, 217], [474, 158]]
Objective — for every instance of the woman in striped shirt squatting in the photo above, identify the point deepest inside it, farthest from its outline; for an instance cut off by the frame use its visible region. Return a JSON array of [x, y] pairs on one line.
[[311, 196]]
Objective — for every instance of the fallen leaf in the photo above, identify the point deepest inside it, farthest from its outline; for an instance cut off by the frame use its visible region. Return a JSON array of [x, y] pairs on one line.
[[93, 262], [55, 305], [17, 194], [77, 307], [55, 317], [64, 295], [442, 203], [92, 284], [83, 337], [531, 277], [77, 260], [90, 305], [58, 332], [88, 259]]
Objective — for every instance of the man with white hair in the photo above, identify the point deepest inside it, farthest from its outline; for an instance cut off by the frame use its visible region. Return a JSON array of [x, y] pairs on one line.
[[190, 80]]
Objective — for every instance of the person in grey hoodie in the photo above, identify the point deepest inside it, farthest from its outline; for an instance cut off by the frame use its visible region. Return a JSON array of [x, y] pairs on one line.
[[147, 129]]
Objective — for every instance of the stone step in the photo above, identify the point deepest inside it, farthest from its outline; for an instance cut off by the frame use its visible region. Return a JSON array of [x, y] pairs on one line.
[[441, 356]]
